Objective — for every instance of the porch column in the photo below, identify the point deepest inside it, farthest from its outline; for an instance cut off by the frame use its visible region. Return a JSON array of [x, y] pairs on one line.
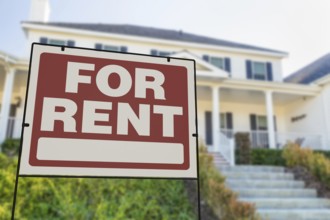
[[215, 117], [5, 103], [270, 119]]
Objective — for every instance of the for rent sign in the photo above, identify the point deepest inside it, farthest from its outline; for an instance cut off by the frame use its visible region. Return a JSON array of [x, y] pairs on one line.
[[94, 113]]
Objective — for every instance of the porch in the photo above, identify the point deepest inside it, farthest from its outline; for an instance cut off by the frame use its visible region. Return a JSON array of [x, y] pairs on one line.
[[272, 113]]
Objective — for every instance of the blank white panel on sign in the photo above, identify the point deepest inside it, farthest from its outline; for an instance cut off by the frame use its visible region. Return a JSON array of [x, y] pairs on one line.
[[109, 151]]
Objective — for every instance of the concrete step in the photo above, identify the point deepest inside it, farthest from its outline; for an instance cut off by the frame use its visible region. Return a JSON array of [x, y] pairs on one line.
[[275, 193], [261, 184], [257, 175], [288, 203], [294, 214], [253, 168]]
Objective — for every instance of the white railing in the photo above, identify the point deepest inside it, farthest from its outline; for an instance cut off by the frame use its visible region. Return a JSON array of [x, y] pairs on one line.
[[313, 141], [259, 139], [227, 147]]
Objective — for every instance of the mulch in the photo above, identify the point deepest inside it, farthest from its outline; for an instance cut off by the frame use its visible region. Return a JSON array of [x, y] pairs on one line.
[[301, 173], [206, 211]]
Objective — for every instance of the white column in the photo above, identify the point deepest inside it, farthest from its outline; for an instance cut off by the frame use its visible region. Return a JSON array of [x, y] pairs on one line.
[[270, 119], [215, 117], [5, 103]]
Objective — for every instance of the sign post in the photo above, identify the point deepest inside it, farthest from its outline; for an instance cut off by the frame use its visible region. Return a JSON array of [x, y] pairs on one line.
[[94, 113]]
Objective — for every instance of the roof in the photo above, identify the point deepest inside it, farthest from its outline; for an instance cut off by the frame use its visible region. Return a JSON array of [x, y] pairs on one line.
[[311, 72], [151, 32]]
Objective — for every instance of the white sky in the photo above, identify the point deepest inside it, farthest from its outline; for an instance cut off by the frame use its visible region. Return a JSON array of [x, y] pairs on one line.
[[299, 27]]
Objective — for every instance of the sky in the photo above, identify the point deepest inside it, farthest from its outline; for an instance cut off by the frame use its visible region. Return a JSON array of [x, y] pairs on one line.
[[298, 27]]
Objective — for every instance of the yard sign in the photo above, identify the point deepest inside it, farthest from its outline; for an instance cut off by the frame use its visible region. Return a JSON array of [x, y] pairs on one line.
[[98, 113]]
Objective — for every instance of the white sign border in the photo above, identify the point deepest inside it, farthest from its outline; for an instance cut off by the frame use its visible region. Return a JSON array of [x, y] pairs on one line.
[[26, 169]]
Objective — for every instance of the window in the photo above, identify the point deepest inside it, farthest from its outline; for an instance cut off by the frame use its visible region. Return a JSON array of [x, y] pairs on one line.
[[261, 123], [259, 70], [220, 62], [58, 42], [110, 47], [161, 53], [223, 121]]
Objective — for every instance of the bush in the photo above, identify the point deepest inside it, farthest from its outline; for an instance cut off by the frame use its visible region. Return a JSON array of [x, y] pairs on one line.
[[10, 147], [272, 157], [87, 198], [221, 199], [243, 145], [316, 163]]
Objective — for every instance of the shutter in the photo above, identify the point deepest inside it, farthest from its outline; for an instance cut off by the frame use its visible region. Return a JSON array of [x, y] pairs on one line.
[[253, 122], [71, 43], [153, 52], [275, 125], [43, 40], [227, 65], [123, 49], [206, 58], [249, 69], [98, 46], [208, 128], [269, 71], [229, 118]]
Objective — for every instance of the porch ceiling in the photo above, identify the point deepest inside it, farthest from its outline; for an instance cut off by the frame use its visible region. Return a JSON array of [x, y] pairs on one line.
[[246, 96]]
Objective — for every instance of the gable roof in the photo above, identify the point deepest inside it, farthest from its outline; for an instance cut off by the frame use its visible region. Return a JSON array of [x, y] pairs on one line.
[[311, 72], [151, 32]]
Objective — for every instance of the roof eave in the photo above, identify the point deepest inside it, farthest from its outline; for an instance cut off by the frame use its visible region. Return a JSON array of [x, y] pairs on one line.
[[46, 27]]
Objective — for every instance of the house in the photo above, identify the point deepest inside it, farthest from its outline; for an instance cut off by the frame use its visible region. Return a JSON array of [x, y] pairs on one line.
[[240, 88]]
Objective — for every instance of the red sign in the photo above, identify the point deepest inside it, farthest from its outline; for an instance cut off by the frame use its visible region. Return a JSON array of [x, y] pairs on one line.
[[109, 114]]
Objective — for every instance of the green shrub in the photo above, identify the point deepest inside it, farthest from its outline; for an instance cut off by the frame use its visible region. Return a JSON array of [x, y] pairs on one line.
[[88, 198], [243, 144], [10, 147], [272, 157], [221, 199]]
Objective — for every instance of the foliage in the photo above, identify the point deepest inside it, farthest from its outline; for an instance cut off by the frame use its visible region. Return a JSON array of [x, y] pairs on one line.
[[243, 144], [221, 199], [317, 163], [261, 156], [10, 147], [102, 199]]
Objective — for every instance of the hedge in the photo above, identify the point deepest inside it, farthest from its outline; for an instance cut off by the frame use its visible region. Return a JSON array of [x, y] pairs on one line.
[[86, 198]]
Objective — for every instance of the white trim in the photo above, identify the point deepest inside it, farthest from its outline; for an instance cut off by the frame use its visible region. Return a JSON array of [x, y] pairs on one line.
[[150, 40], [258, 85], [215, 118], [270, 119], [5, 102]]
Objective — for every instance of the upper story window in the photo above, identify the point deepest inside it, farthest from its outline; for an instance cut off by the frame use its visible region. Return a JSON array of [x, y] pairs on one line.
[[53, 41], [161, 53], [220, 62], [259, 70], [110, 47]]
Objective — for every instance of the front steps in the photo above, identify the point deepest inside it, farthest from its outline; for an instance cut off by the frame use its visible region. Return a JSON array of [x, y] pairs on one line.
[[276, 194]]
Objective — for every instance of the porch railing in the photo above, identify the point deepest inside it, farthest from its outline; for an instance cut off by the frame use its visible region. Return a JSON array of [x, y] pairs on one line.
[[313, 141], [259, 139], [227, 146]]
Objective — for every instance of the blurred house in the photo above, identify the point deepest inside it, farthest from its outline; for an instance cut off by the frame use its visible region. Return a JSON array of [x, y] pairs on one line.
[[240, 87]]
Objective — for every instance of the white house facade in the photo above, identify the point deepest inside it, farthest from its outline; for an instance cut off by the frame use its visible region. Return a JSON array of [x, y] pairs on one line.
[[240, 88]]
